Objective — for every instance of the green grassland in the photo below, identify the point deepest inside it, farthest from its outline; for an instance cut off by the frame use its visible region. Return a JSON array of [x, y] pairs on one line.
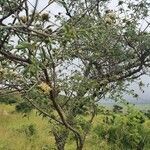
[[15, 133], [14, 137]]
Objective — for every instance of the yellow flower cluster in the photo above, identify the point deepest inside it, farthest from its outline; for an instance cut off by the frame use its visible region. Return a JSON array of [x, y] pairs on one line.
[[45, 87], [110, 17]]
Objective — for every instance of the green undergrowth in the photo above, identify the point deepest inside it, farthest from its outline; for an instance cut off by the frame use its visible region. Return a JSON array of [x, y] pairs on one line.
[[110, 131], [23, 133]]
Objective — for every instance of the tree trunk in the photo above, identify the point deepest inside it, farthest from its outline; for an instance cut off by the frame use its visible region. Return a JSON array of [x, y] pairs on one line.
[[80, 146], [79, 142], [60, 137]]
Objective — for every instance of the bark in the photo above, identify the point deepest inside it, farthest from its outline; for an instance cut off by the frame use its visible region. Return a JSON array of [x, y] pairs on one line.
[[79, 143], [60, 138]]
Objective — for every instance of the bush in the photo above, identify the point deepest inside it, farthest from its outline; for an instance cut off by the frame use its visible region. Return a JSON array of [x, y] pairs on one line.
[[10, 98], [28, 130], [117, 109], [7, 100], [147, 113], [124, 131], [23, 107]]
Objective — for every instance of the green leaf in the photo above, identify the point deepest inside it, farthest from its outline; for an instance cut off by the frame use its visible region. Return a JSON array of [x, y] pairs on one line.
[[24, 45]]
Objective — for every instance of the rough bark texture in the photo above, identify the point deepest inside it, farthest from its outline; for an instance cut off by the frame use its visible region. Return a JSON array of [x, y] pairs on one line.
[[60, 138]]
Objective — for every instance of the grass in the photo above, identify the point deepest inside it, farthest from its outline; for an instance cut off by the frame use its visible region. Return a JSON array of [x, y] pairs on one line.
[[12, 136], [15, 135]]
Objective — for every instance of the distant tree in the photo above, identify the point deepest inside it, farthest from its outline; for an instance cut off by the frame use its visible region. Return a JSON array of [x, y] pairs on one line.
[[147, 113], [64, 63], [117, 108]]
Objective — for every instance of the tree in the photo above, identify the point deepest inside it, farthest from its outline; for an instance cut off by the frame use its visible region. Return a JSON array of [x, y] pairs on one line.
[[117, 109], [63, 64]]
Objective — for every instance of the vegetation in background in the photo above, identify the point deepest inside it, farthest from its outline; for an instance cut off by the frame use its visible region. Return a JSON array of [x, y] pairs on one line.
[[111, 130]]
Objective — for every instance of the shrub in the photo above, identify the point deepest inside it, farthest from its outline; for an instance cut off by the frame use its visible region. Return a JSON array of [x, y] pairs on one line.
[[147, 113], [28, 130], [7, 100], [10, 98], [23, 107], [117, 109], [124, 131]]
